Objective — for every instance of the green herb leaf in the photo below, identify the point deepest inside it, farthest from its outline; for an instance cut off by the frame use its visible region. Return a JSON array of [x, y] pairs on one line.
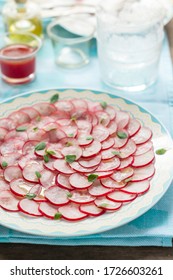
[[70, 135], [35, 129], [38, 118], [46, 158], [161, 151], [68, 144], [57, 216], [40, 146], [128, 180], [4, 164], [92, 177], [116, 153], [49, 152], [69, 194], [30, 195], [70, 158], [103, 104], [73, 118], [54, 98], [103, 205], [38, 175], [89, 138], [21, 128], [121, 135]]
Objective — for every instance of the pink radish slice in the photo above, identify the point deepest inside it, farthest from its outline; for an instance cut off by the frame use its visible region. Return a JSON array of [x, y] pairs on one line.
[[12, 172], [40, 153], [108, 154], [8, 201], [70, 130], [94, 106], [11, 158], [123, 174], [143, 159], [110, 183], [38, 135], [108, 143], [19, 117], [29, 147], [44, 121], [87, 163], [56, 196], [78, 181], [103, 117], [4, 186], [137, 187], [3, 133], [65, 106], [108, 165], [112, 127], [47, 178], [143, 148], [120, 196], [143, 173], [24, 160], [16, 134], [64, 122], [7, 123], [71, 213], [31, 112], [103, 174], [50, 126], [84, 126], [128, 150], [50, 165], [122, 119], [94, 120], [63, 181], [119, 143], [79, 168], [55, 149], [84, 139], [45, 109], [29, 207], [111, 112], [72, 150], [66, 142], [29, 171], [11, 146], [125, 163], [92, 149], [36, 189], [142, 136], [81, 197], [91, 209], [62, 166], [56, 135], [133, 127], [98, 190], [100, 133], [47, 210], [20, 187], [80, 105], [107, 204]]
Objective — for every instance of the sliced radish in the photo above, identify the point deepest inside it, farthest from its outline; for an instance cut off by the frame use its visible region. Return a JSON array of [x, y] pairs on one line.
[[65, 106], [111, 112], [29, 207], [70, 130], [98, 190], [50, 164], [108, 165], [4, 186], [80, 105], [110, 183], [133, 127], [12, 172], [103, 174], [72, 150], [122, 119], [143, 159], [92, 162], [27, 159], [8, 201], [137, 187], [47, 178], [103, 117], [92, 149], [128, 150], [63, 166], [38, 135], [108, 154], [143, 148], [56, 151], [81, 197], [31, 112], [29, 147], [125, 163], [119, 143], [143, 173], [20, 187], [50, 126], [45, 109], [56, 135], [63, 181], [19, 117], [84, 139], [3, 132], [7, 123], [123, 174], [84, 126], [64, 122], [107, 204], [120, 196], [16, 134], [100, 133], [112, 127], [11, 158], [29, 171], [36, 189], [71, 213], [78, 181], [79, 168], [142, 136], [91, 209], [57, 196], [108, 143], [11, 146], [48, 210]]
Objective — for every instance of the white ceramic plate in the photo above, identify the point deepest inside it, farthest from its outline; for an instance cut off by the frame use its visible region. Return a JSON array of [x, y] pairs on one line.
[[159, 183]]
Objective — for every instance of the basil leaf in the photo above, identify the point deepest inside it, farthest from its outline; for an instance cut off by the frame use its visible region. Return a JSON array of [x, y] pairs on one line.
[[21, 128], [89, 138], [116, 153], [69, 194], [70, 158], [30, 195], [68, 144], [57, 216], [103, 104], [40, 146], [35, 129], [4, 164], [161, 152], [121, 135], [38, 174], [92, 177], [127, 180], [70, 135], [46, 158], [51, 153], [54, 98], [103, 205]]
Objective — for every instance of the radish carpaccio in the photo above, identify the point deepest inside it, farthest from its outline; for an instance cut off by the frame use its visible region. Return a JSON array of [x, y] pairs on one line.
[[73, 159]]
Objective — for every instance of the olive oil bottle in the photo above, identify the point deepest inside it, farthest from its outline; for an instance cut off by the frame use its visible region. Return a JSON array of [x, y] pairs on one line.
[[22, 16]]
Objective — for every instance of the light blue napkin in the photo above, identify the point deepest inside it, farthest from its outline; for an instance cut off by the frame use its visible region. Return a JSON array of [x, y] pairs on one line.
[[155, 228]]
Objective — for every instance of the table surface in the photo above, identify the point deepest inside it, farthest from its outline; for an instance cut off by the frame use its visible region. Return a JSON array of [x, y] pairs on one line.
[[43, 252]]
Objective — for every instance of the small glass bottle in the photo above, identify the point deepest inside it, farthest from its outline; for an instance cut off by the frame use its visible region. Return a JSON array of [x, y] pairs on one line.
[[22, 16]]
